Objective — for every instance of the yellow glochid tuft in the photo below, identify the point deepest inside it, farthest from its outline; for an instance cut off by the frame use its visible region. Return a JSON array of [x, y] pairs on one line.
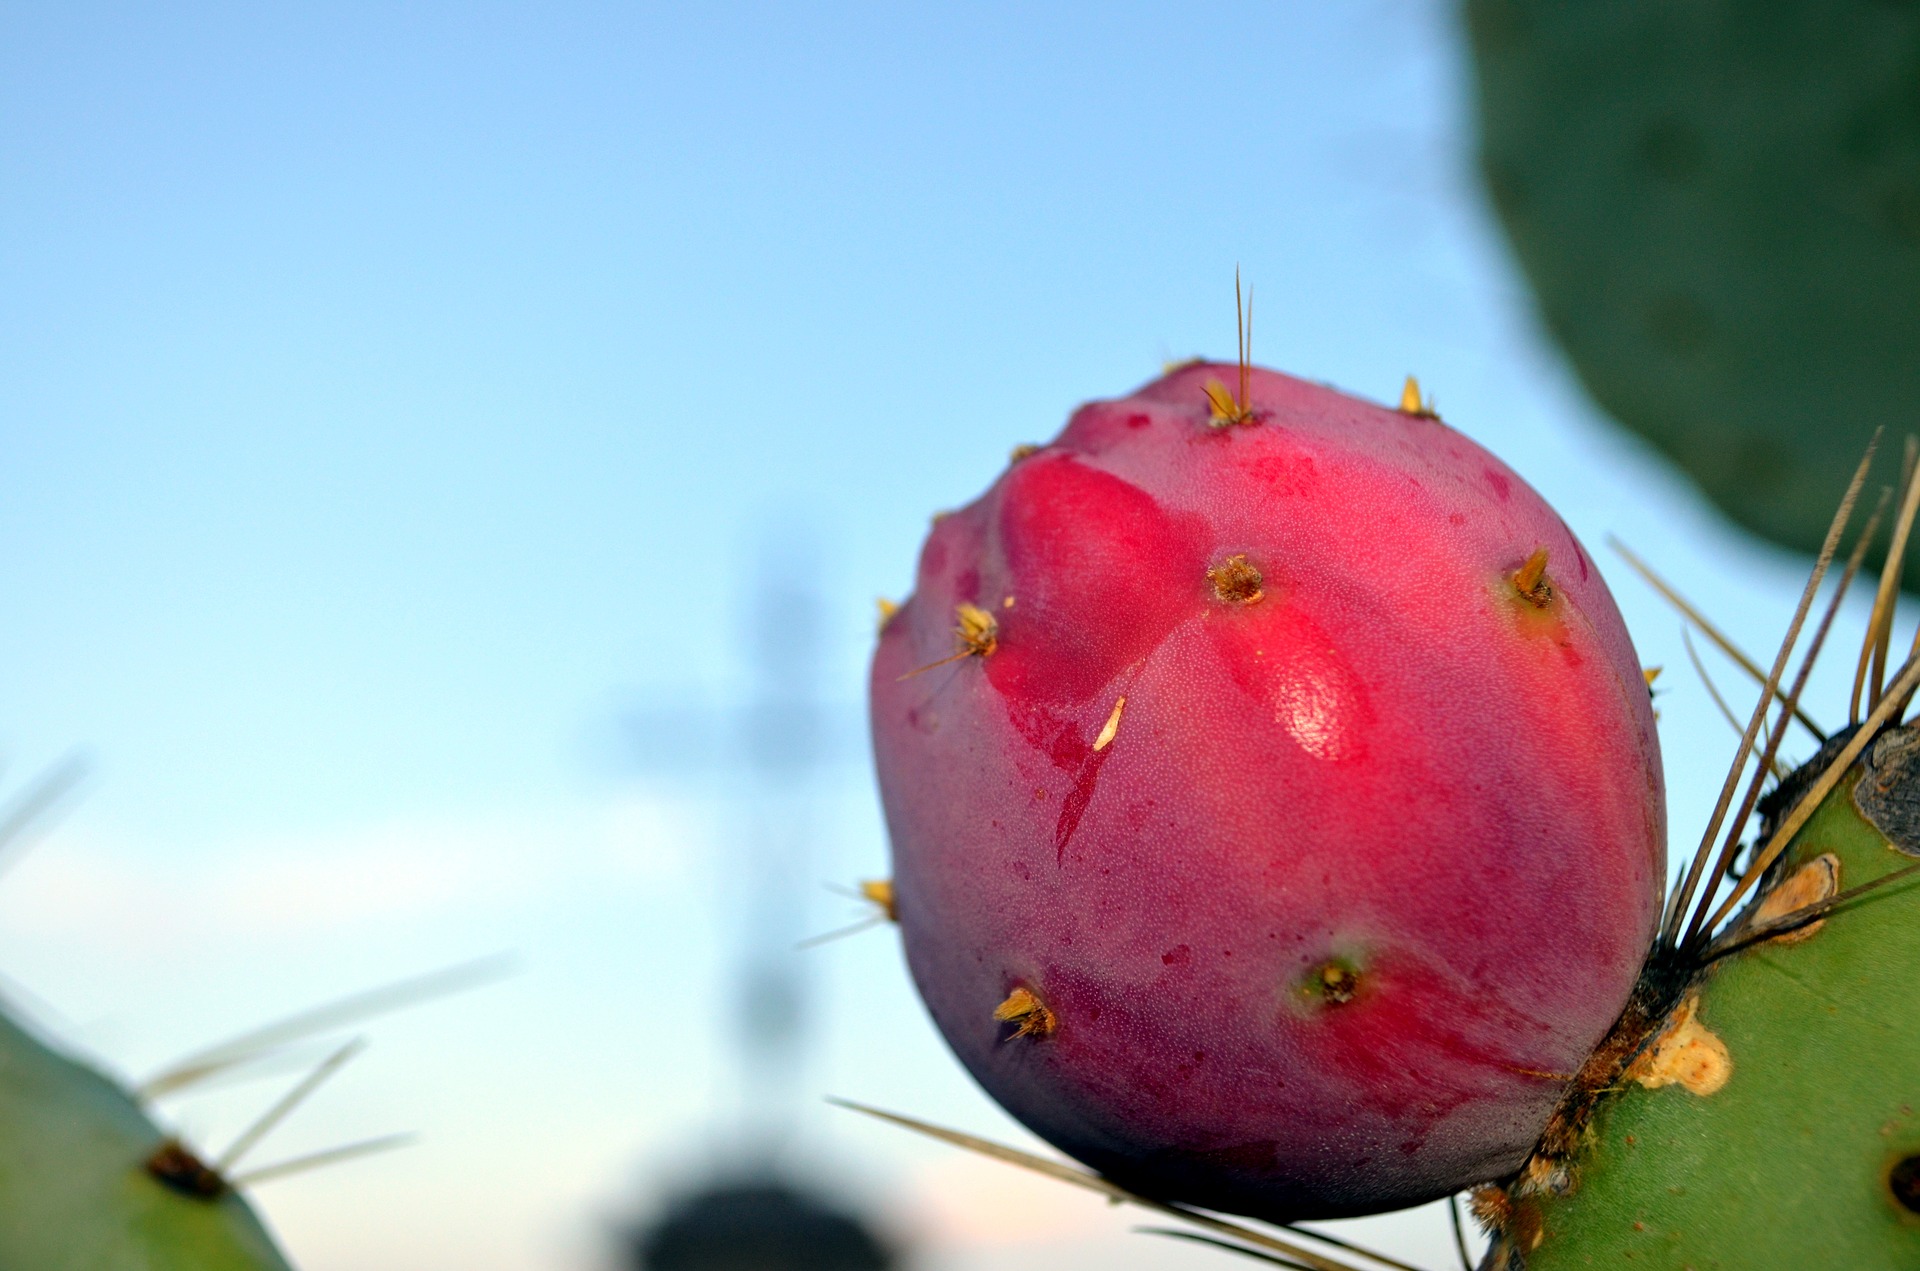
[[1237, 581], [1531, 580], [1412, 403], [976, 630], [880, 892], [1029, 1015]]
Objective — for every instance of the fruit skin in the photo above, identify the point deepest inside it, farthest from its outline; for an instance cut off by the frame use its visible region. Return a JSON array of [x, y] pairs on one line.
[[1368, 863]]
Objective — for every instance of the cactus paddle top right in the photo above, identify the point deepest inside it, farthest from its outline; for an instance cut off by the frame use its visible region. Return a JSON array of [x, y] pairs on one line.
[[1718, 207]]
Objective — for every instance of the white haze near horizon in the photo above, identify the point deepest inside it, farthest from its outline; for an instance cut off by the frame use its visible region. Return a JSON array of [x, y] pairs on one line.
[[397, 399]]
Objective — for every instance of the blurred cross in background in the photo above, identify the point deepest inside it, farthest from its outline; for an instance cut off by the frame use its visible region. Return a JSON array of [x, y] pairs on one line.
[[782, 735], [767, 756]]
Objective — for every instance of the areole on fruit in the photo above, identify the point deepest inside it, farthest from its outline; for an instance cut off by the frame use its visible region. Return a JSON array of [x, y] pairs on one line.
[[1274, 795]]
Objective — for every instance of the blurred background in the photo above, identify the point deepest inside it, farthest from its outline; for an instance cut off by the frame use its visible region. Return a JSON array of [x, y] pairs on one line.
[[448, 457]]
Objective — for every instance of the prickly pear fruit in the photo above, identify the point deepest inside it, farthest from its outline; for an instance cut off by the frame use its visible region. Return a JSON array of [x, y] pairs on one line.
[[1274, 795]]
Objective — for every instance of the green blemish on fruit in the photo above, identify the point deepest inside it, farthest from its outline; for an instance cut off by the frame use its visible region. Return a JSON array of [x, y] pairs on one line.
[[1334, 982], [1527, 592]]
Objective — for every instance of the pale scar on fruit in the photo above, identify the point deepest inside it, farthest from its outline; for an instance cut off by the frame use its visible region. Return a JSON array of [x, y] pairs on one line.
[[1024, 1009], [1817, 880], [1110, 729], [1687, 1054]]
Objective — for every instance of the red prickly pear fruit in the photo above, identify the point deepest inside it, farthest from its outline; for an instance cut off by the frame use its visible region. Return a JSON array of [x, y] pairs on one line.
[[1274, 795]]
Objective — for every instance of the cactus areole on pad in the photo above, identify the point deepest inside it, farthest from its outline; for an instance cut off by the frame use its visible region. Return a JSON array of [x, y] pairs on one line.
[[1274, 795]]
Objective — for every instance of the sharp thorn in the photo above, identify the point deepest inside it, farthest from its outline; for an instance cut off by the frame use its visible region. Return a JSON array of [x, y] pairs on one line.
[[320, 1160], [1683, 895], [1065, 1173], [263, 1125]]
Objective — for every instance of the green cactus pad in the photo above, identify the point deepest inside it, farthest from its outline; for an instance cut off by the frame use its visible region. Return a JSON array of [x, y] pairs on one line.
[[1796, 1160], [75, 1194], [1718, 207]]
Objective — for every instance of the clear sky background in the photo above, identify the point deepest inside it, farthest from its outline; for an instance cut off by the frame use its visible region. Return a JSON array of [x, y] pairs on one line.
[[396, 402]]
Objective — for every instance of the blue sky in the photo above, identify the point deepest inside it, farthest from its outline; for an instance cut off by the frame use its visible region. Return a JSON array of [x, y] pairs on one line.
[[398, 400]]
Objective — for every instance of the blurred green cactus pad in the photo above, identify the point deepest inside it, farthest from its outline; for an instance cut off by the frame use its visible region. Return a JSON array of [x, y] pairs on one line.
[[1718, 207], [89, 1183]]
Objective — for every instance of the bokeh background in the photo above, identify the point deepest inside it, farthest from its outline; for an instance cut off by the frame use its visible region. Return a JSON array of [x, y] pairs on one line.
[[409, 411]]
